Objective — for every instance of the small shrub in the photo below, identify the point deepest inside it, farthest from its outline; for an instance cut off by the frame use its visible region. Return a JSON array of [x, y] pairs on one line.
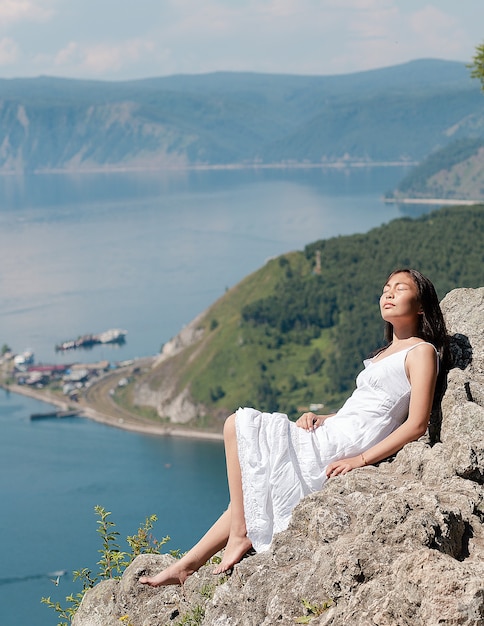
[[112, 563], [312, 610]]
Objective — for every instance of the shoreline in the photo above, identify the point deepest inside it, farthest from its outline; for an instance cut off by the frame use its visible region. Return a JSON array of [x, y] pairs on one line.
[[215, 167], [454, 202], [91, 413]]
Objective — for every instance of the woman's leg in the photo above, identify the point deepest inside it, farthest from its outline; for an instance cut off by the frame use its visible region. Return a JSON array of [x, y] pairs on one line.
[[238, 543], [229, 530], [213, 541]]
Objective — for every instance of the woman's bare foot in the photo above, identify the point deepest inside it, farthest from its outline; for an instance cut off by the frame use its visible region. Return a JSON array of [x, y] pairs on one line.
[[233, 553], [173, 575]]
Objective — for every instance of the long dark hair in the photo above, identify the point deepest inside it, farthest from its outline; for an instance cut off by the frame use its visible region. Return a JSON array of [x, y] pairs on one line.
[[431, 328], [431, 324]]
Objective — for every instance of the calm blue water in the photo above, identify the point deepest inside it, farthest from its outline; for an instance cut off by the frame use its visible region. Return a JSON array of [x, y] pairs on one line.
[[146, 253], [52, 475]]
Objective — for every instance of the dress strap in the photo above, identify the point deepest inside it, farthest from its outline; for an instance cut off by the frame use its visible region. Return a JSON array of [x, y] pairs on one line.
[[429, 344]]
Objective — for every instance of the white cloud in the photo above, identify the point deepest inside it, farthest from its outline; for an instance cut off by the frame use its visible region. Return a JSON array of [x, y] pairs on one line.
[[431, 19], [371, 38], [85, 38], [377, 33], [69, 54], [437, 31], [300, 36], [395, 33], [358, 5], [196, 18], [22, 10], [282, 8], [97, 59], [8, 51]]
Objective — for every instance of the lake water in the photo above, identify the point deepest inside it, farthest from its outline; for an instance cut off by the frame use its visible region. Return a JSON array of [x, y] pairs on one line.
[[143, 252], [52, 475]]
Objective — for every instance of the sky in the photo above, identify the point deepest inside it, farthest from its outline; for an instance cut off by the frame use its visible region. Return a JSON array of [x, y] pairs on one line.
[[126, 39]]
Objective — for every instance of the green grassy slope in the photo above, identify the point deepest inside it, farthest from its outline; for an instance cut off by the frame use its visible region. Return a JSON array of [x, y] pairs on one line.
[[287, 337]]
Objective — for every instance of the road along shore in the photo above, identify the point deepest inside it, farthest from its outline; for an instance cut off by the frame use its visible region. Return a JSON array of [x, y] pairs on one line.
[[116, 418]]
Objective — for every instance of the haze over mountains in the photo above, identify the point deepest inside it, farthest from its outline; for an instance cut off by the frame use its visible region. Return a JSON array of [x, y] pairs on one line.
[[400, 113]]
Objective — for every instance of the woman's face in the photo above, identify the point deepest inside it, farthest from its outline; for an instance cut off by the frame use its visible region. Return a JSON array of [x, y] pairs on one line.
[[400, 298]]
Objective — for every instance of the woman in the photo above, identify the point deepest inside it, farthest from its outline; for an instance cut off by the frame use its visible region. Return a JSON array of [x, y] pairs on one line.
[[272, 463]]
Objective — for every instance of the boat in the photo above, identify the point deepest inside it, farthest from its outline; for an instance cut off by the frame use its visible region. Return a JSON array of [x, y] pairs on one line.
[[113, 335], [85, 341], [55, 414], [21, 361]]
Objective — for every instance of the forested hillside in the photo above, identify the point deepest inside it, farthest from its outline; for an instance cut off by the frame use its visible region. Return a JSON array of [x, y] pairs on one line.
[[454, 172], [295, 332], [400, 113]]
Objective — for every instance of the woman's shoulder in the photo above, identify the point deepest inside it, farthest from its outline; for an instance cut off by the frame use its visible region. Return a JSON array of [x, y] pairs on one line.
[[422, 354], [420, 346]]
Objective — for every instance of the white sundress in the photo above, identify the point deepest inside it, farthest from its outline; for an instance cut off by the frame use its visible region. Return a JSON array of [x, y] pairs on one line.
[[281, 463]]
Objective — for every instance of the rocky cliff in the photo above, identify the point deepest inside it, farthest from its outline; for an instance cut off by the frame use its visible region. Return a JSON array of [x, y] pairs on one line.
[[394, 545], [165, 396]]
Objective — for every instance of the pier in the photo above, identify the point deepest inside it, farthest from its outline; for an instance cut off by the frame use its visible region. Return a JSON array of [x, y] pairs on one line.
[[54, 414]]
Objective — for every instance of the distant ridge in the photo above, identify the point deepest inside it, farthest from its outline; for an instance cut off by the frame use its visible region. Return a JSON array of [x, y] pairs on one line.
[[455, 172], [394, 114]]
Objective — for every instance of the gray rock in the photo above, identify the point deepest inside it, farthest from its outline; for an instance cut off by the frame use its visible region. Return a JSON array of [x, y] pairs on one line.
[[167, 401], [401, 544]]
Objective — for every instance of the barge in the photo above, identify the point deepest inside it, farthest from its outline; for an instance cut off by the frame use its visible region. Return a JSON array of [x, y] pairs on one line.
[[54, 413], [111, 336]]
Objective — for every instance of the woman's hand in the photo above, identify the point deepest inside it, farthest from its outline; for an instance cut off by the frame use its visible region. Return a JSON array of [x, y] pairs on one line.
[[310, 421], [344, 466]]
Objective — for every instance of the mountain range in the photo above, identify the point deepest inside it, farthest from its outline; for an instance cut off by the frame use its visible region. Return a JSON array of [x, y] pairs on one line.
[[395, 114]]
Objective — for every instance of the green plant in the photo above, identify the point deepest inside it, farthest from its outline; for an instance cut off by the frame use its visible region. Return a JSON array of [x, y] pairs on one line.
[[477, 65], [215, 560], [113, 560], [62, 613], [68, 612], [144, 542], [312, 610], [208, 590], [112, 563], [193, 617]]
